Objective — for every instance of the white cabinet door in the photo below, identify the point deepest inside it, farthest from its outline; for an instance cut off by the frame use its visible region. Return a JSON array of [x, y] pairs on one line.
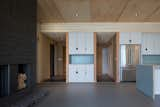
[[81, 43], [89, 43], [125, 38], [157, 43], [73, 77], [150, 44], [71, 43], [81, 73], [81, 69], [89, 74], [135, 38], [147, 44], [75, 73]]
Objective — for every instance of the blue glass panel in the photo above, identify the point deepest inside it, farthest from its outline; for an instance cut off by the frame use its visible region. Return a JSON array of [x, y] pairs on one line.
[[81, 59], [151, 59]]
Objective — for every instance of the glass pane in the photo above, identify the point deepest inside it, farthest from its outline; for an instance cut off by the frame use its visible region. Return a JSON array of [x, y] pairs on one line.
[[81, 59]]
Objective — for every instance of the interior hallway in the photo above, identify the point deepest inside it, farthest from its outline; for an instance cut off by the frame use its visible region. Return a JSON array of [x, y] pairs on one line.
[[95, 95]]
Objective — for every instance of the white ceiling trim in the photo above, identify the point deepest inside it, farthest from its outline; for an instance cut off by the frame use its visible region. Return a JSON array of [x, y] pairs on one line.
[[100, 27]]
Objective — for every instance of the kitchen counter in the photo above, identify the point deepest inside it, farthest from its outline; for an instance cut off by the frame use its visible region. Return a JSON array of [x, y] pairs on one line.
[[148, 79]]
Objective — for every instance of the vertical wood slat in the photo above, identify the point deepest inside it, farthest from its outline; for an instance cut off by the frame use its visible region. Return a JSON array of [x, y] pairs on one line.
[[117, 57], [67, 57], [95, 57]]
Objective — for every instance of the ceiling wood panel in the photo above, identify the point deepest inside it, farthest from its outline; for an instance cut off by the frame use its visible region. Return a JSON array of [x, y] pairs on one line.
[[69, 8], [139, 10], [98, 11], [106, 10], [48, 11]]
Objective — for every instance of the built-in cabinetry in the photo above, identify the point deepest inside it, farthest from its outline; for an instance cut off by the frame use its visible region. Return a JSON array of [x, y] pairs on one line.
[[130, 38], [81, 43], [81, 57], [150, 43], [81, 73]]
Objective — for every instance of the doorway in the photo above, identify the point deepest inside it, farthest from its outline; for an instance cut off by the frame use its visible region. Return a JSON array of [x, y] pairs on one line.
[[105, 57], [52, 62], [107, 65], [57, 62]]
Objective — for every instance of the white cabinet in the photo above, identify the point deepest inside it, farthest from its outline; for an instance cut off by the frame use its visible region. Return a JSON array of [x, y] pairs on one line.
[[81, 43], [130, 38], [136, 37], [150, 43], [124, 38], [73, 45], [89, 43], [89, 73], [73, 73], [81, 73]]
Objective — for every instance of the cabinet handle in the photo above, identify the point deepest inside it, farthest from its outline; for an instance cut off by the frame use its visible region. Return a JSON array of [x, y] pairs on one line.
[[130, 41], [76, 72], [146, 49], [76, 48]]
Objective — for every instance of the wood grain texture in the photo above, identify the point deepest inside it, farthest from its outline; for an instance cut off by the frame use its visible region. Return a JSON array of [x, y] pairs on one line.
[[117, 57], [95, 57], [67, 57], [98, 10], [99, 62]]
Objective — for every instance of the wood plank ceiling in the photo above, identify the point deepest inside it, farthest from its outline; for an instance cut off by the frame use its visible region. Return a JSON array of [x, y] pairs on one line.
[[98, 11]]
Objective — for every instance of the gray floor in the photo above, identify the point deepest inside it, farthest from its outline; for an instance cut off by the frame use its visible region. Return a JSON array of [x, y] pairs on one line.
[[105, 78], [95, 95]]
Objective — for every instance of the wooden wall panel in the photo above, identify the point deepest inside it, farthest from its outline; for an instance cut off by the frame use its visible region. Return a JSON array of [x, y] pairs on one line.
[[95, 57], [99, 62], [67, 57], [117, 57]]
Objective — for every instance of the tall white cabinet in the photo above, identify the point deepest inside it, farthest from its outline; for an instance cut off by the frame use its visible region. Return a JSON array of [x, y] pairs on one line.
[[150, 43], [81, 44]]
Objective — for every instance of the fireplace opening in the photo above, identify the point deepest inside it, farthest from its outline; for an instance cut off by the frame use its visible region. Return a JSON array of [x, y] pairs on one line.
[[22, 76], [4, 80]]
